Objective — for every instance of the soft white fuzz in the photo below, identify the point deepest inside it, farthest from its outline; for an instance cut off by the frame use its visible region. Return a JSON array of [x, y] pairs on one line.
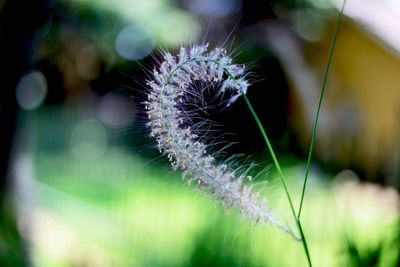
[[170, 87]]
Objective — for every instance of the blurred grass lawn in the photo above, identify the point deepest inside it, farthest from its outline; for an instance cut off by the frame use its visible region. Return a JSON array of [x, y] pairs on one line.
[[122, 210]]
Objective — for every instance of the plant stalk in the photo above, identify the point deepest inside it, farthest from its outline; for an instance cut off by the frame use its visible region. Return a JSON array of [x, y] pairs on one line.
[[282, 178], [314, 133]]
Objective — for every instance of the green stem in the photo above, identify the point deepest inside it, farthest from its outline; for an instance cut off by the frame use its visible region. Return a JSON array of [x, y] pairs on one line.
[[327, 67], [282, 178]]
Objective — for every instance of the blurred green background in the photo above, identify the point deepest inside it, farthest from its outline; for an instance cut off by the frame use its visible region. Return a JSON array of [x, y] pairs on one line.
[[83, 185]]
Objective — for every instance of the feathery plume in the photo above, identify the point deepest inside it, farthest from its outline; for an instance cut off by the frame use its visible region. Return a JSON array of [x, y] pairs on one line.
[[170, 85]]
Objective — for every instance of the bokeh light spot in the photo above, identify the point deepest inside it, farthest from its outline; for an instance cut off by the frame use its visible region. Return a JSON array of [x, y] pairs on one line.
[[88, 63], [31, 90], [309, 24], [116, 111], [134, 42]]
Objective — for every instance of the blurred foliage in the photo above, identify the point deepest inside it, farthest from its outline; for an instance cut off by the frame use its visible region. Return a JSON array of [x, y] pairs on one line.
[[374, 253], [92, 199], [118, 209], [158, 16], [11, 248], [219, 245], [370, 258]]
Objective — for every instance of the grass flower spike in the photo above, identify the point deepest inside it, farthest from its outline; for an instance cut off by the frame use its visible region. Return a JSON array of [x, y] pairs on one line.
[[170, 126]]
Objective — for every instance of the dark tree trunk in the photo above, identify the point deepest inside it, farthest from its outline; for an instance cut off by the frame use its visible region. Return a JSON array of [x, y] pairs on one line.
[[19, 21]]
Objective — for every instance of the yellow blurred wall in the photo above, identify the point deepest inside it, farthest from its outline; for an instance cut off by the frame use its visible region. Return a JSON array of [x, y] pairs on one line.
[[365, 74]]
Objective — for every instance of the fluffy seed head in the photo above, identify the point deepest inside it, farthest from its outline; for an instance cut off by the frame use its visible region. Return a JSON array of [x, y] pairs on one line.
[[171, 84]]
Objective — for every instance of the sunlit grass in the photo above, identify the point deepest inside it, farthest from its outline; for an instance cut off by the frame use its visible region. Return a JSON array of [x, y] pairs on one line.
[[126, 212]]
